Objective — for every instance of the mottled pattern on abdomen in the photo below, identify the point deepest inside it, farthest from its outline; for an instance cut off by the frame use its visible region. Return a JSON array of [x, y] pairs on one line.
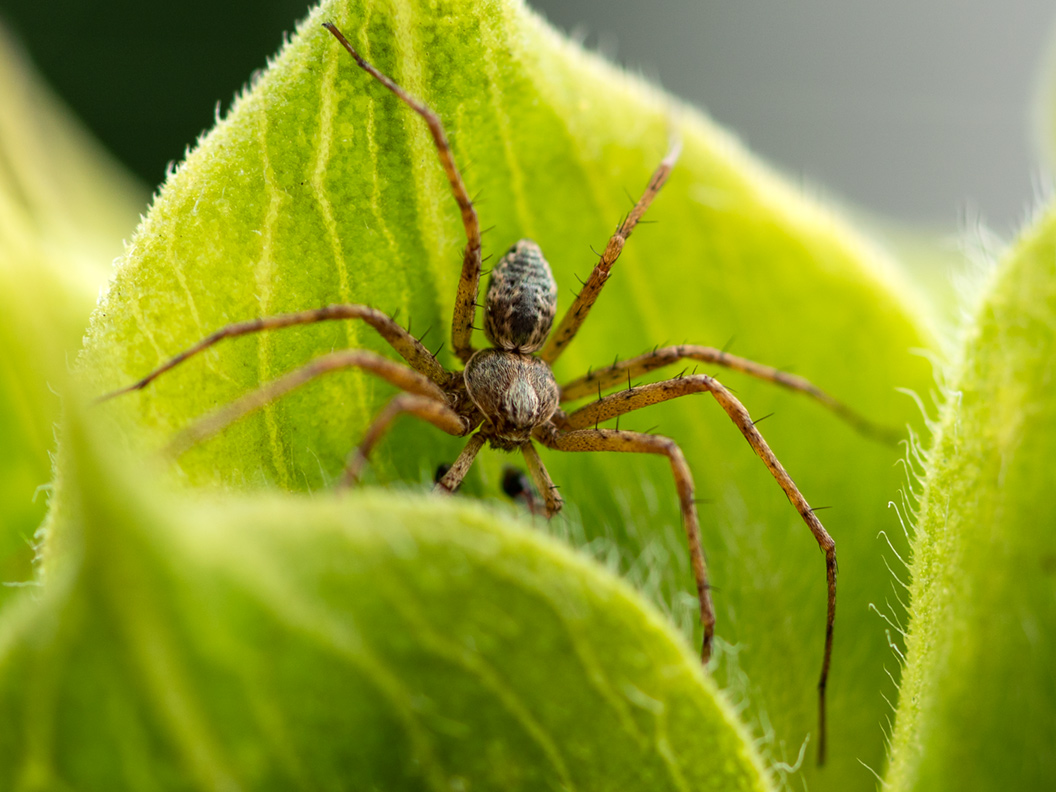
[[521, 301]]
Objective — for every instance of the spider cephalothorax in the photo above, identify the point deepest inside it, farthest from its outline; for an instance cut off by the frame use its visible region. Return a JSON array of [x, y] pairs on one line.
[[508, 394], [515, 392]]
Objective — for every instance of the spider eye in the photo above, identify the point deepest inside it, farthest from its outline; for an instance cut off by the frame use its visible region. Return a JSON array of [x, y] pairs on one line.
[[521, 301]]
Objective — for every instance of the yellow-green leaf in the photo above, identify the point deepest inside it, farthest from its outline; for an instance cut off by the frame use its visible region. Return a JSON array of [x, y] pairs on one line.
[[64, 207], [977, 702], [375, 641], [320, 187]]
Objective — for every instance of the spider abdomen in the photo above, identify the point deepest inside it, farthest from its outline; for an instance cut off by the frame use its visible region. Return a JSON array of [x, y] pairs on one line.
[[521, 300], [515, 392]]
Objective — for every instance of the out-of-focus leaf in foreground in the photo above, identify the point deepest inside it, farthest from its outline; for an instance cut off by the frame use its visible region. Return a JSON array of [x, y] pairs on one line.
[[375, 641], [976, 706], [64, 208], [320, 187]]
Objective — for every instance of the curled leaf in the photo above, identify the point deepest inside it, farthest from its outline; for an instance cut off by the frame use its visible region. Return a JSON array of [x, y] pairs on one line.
[[319, 187], [977, 702], [375, 641], [64, 207]]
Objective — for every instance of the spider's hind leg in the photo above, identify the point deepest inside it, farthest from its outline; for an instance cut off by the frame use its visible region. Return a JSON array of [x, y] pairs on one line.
[[577, 312], [427, 408]]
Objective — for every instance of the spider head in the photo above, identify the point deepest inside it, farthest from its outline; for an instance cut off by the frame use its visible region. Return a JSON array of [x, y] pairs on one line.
[[521, 300], [515, 392]]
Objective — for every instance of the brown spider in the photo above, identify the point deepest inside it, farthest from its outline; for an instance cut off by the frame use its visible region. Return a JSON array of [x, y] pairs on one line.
[[508, 392]]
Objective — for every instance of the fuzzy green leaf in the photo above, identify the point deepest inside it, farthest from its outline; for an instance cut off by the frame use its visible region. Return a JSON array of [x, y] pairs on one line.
[[63, 209], [320, 187], [375, 641], [977, 701]]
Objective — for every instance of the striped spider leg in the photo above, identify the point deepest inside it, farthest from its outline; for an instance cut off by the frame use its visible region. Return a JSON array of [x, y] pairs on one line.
[[506, 396], [431, 393], [571, 433]]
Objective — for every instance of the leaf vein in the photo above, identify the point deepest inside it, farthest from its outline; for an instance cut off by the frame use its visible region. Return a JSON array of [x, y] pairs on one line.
[[492, 46], [426, 173], [265, 276], [458, 655], [327, 95], [337, 634]]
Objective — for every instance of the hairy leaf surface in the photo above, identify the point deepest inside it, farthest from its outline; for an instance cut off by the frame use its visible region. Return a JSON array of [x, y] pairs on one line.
[[975, 710], [64, 207], [320, 187], [377, 641]]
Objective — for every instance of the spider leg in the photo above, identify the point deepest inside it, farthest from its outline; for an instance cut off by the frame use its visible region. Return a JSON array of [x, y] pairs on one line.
[[398, 374], [624, 370], [520, 488], [638, 443], [428, 408], [469, 282], [541, 479], [403, 342], [577, 312], [453, 478], [643, 395]]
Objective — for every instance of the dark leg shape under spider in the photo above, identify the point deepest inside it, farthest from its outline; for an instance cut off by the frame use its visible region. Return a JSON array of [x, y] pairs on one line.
[[517, 485]]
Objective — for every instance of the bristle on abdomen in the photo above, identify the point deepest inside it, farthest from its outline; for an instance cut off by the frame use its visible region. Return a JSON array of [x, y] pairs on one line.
[[521, 301]]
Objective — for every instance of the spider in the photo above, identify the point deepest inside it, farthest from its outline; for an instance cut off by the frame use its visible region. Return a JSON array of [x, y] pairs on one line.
[[507, 396]]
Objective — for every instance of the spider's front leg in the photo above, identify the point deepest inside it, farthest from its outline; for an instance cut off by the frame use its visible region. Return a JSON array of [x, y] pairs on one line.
[[469, 282], [541, 478], [452, 479], [427, 408], [409, 348]]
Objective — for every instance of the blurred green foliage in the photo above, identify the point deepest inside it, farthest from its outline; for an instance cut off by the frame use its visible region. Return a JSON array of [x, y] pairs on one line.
[[319, 187]]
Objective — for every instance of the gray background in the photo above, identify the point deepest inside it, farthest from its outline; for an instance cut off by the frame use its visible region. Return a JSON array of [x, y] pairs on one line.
[[917, 110]]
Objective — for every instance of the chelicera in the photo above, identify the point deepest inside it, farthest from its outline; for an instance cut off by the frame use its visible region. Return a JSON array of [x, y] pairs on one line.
[[506, 395]]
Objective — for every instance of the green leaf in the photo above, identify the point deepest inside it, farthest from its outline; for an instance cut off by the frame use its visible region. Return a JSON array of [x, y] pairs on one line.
[[63, 209], [320, 187], [375, 641], [975, 710]]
